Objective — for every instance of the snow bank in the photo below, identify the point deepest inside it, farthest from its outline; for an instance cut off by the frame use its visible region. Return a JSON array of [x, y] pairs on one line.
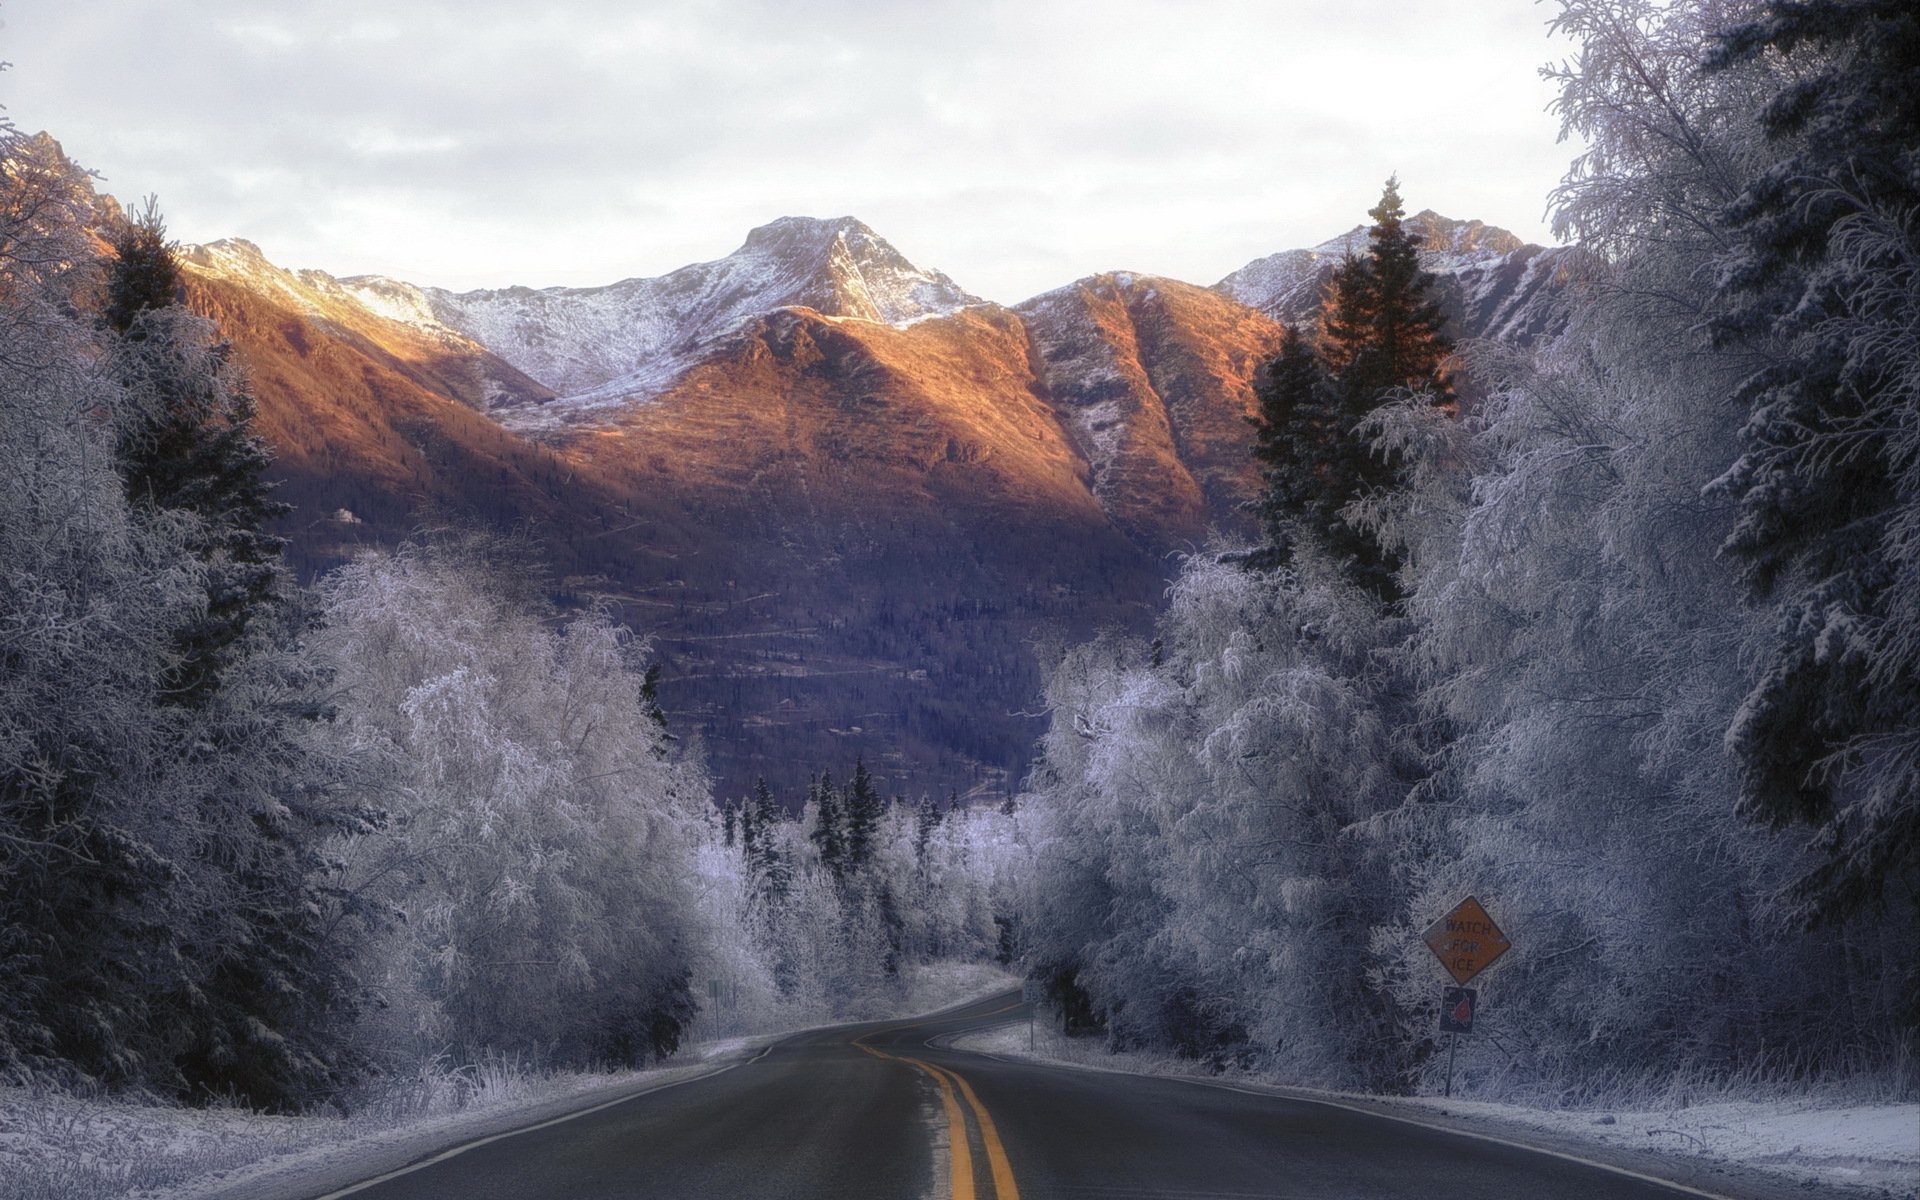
[[60, 1147]]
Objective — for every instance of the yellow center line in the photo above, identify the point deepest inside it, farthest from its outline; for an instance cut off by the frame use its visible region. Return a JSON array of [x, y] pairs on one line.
[[1003, 1185], [960, 1147]]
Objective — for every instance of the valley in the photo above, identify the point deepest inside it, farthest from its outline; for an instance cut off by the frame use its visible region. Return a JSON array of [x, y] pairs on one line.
[[848, 501]]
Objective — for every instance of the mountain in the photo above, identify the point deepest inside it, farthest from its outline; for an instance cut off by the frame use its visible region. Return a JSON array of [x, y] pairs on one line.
[[844, 497], [606, 346], [1490, 283]]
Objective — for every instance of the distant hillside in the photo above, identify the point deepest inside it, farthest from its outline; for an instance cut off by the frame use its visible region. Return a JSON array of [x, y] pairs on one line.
[[842, 495]]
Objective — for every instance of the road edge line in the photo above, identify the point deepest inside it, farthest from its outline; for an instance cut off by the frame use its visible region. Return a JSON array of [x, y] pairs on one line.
[[456, 1151], [945, 1041]]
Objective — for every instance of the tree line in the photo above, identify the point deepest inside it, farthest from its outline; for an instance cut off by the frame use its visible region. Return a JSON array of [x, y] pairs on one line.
[[1621, 638], [279, 843]]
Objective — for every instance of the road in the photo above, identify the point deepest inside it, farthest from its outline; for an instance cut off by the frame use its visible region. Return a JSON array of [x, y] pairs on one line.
[[870, 1111]]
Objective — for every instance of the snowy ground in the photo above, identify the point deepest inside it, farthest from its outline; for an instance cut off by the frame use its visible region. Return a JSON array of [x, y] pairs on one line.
[[1869, 1150], [60, 1147]]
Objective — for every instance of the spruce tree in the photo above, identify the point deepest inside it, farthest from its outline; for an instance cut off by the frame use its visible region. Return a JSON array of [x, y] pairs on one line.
[[650, 701], [1380, 334], [1381, 329], [926, 819], [828, 834], [769, 866], [1820, 272], [145, 274], [1293, 434], [864, 806], [266, 1000], [187, 445]]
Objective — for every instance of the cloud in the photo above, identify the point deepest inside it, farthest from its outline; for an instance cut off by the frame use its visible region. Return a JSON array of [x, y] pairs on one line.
[[487, 142]]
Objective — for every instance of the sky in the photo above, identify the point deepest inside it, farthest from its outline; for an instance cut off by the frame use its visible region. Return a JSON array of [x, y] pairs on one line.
[[1015, 144]]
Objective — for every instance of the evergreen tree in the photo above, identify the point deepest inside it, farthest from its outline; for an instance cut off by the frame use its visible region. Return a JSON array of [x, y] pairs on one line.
[[1828, 486], [1381, 329], [864, 806], [1292, 438], [145, 274], [187, 445], [1380, 333], [828, 834], [729, 811], [263, 1007], [769, 866], [926, 819], [650, 702]]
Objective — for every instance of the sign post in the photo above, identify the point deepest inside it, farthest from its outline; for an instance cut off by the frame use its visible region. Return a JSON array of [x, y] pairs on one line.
[[1466, 941]]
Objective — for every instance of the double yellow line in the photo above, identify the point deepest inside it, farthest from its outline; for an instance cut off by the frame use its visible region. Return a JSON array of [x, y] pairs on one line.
[[960, 1146]]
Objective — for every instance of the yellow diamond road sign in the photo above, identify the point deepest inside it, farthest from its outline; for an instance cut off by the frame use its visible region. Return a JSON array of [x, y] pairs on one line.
[[1466, 941]]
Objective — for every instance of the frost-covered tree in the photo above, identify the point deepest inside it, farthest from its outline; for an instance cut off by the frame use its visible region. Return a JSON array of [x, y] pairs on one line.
[[863, 808], [541, 849], [186, 445], [1212, 836], [1822, 257], [1584, 640], [162, 889]]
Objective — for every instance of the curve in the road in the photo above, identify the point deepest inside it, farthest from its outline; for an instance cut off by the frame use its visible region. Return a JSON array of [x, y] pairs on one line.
[[857, 1113]]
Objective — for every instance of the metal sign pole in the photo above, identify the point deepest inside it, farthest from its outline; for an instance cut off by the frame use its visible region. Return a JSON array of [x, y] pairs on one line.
[[1451, 1039]]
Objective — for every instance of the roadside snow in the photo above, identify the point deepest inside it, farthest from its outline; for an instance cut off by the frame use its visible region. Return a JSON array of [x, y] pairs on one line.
[[1850, 1149], [61, 1147]]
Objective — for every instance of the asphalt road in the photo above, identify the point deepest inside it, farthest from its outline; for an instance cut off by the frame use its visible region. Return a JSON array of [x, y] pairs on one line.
[[870, 1111]]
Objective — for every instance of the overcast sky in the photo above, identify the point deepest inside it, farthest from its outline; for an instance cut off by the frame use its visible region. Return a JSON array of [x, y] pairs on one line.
[[1015, 145]]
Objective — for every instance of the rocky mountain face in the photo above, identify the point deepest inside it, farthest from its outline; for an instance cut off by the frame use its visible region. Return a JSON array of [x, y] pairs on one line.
[[1490, 283], [603, 347], [844, 497]]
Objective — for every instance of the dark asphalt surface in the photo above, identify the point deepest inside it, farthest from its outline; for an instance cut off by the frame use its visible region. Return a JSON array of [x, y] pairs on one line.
[[816, 1116]]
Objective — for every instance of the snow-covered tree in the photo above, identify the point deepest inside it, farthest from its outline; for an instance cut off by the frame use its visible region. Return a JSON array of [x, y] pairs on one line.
[[542, 843], [160, 882], [1823, 263]]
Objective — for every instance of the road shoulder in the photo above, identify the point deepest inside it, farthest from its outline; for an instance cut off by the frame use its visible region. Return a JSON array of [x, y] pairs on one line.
[[1881, 1168]]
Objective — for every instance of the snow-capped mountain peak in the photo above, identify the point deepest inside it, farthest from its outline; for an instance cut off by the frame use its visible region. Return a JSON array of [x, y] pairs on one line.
[[630, 340], [1490, 281]]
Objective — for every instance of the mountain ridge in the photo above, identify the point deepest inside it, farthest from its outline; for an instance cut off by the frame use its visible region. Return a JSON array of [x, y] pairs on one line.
[[844, 497]]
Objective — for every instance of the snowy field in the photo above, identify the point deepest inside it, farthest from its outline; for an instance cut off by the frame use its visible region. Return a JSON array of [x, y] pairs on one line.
[[61, 1147], [1868, 1150]]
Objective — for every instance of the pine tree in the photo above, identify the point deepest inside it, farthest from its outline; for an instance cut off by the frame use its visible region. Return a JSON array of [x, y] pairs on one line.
[[864, 806], [188, 446], [1380, 333], [1820, 271], [769, 866], [926, 819], [263, 1008], [828, 834], [650, 703], [1292, 437], [145, 274], [729, 811], [1381, 329]]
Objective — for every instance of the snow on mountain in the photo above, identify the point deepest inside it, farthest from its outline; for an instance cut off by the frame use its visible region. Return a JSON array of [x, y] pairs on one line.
[[605, 346], [389, 320], [1490, 280]]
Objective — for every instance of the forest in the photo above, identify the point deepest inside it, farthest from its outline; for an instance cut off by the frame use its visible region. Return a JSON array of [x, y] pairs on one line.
[[1619, 632]]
